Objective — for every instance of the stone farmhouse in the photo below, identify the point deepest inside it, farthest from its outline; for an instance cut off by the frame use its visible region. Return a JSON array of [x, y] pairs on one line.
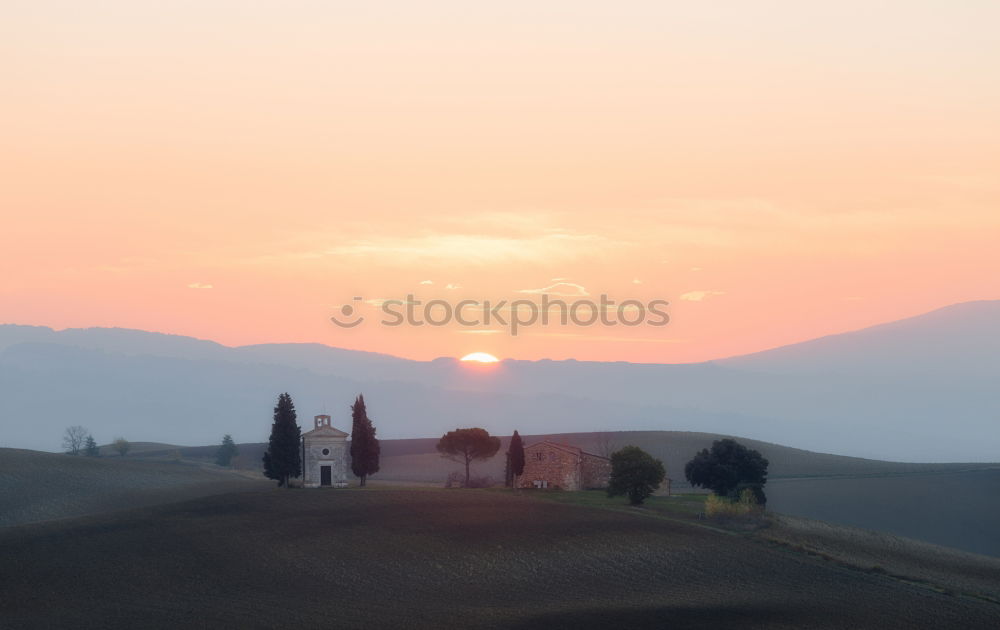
[[551, 465], [324, 455]]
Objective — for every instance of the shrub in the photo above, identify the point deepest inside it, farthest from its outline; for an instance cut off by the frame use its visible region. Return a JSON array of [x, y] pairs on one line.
[[755, 489], [481, 482], [457, 480], [454, 480], [744, 508]]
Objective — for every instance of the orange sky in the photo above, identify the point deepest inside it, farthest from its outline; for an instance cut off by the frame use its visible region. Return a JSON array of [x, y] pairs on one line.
[[237, 171]]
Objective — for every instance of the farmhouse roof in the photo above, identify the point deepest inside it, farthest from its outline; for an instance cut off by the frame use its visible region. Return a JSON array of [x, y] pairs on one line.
[[576, 450]]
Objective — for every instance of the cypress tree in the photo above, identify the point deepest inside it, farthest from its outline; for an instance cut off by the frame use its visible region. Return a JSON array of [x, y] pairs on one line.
[[90, 448], [282, 459], [515, 458], [227, 451], [364, 445]]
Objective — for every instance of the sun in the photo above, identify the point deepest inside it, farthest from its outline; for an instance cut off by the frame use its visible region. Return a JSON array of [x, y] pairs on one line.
[[480, 357]]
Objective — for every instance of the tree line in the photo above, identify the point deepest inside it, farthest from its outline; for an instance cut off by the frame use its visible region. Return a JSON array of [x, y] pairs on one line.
[[729, 469], [77, 440]]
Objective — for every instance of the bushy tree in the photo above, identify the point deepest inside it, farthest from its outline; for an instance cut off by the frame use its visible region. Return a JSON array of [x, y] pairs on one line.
[[122, 446], [515, 459], [90, 448], [727, 469], [466, 445], [227, 451], [365, 448], [635, 474], [283, 458], [73, 439]]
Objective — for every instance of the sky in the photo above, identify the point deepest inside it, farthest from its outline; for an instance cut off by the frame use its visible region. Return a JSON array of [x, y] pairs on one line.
[[238, 171]]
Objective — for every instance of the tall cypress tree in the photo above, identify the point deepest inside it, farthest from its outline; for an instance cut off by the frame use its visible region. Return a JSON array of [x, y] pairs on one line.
[[364, 445], [282, 459], [515, 458]]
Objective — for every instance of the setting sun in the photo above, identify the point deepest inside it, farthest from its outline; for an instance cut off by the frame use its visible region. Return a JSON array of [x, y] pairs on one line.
[[480, 357]]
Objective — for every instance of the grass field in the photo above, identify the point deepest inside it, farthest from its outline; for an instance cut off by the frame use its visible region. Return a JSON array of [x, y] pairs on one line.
[[960, 509], [419, 557]]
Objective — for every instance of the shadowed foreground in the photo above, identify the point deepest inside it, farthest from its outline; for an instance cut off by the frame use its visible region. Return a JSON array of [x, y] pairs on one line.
[[432, 558]]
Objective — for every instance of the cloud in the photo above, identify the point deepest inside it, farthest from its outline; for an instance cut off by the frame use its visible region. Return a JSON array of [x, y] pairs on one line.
[[472, 249], [616, 339], [565, 289], [698, 296], [198, 285], [426, 282], [453, 286], [636, 281]]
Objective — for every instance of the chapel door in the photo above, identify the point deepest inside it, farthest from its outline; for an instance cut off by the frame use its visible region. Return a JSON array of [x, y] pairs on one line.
[[325, 475]]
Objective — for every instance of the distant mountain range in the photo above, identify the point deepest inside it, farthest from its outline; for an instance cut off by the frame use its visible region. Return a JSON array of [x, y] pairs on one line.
[[919, 389]]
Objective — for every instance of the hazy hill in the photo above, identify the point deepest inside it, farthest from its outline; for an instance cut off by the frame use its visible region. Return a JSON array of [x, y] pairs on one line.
[[921, 389]]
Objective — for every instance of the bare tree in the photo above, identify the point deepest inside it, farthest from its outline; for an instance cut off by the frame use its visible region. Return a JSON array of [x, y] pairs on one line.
[[121, 445], [73, 439], [605, 443]]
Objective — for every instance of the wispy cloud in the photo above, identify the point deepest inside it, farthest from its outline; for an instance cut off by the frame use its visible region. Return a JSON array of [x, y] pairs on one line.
[[426, 282], [699, 296], [199, 285], [586, 337], [471, 249], [452, 286], [565, 289]]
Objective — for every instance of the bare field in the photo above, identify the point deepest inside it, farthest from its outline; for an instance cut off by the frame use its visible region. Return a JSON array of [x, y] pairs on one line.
[[386, 557], [38, 486], [940, 567]]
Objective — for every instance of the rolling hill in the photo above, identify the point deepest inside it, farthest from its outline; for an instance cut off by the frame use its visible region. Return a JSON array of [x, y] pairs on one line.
[[38, 486], [469, 559]]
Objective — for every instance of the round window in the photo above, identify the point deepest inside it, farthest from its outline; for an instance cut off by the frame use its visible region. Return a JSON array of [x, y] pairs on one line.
[[326, 451]]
